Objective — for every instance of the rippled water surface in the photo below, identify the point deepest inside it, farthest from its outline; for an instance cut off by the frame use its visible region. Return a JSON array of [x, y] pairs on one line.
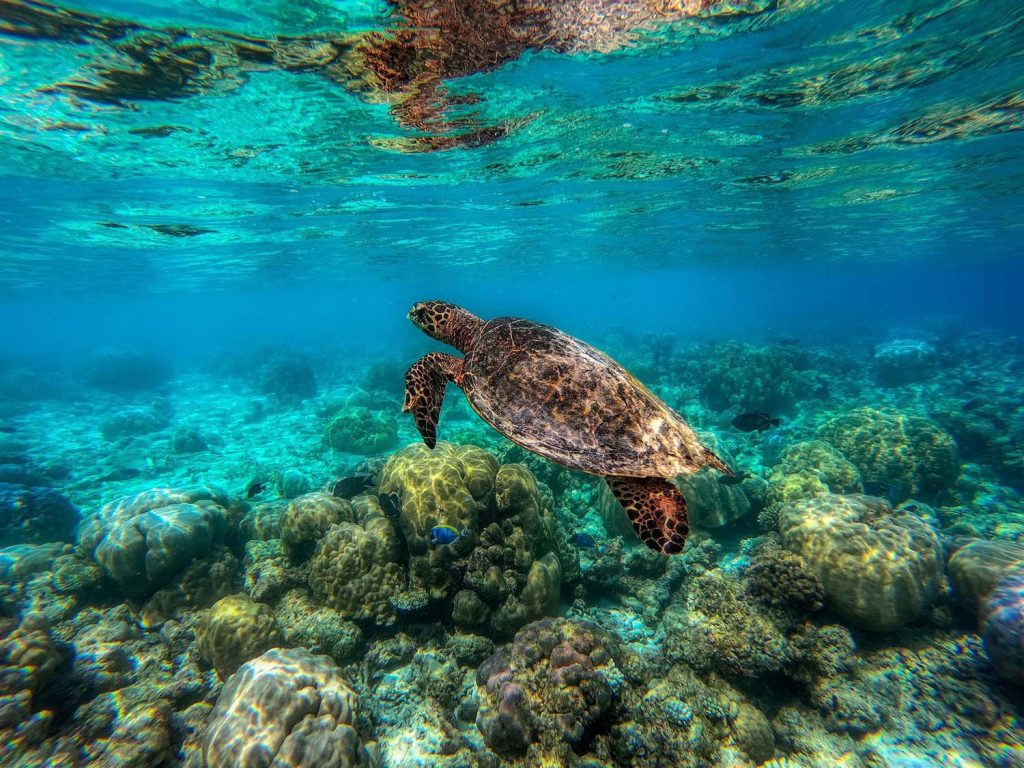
[[139, 133]]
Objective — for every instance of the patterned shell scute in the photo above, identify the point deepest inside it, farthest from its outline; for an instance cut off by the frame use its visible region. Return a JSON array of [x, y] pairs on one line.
[[571, 403]]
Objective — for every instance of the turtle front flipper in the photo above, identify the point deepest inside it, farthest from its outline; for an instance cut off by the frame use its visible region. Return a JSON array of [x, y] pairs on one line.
[[424, 391], [656, 509]]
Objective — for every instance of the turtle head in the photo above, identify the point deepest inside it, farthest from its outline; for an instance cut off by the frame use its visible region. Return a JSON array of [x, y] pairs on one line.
[[446, 322]]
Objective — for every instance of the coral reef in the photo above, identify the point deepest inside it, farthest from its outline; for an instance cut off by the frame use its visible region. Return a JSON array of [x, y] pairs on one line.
[[550, 686], [879, 569], [1002, 626], [361, 430], [781, 579], [977, 567], [903, 361], [355, 568], [144, 541], [306, 519], [288, 377], [233, 631], [133, 422], [286, 707], [809, 469], [125, 370], [745, 377], [898, 455], [506, 571], [719, 628], [34, 515]]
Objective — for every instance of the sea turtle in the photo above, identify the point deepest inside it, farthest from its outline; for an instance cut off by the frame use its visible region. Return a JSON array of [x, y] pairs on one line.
[[563, 399]]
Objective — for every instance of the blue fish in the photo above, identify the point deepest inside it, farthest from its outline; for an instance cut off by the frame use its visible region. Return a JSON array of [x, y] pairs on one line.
[[583, 540], [445, 534]]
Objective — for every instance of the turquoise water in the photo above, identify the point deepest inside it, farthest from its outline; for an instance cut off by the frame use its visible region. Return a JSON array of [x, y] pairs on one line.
[[222, 542]]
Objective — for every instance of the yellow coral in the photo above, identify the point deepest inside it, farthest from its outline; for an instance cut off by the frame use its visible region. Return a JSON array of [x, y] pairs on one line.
[[810, 469], [307, 518], [354, 568], [233, 631]]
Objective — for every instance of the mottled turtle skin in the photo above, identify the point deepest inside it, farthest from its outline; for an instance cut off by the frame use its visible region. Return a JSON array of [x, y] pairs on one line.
[[562, 399]]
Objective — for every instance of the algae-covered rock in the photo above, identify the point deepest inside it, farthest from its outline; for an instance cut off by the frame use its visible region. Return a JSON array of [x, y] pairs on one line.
[[879, 569], [146, 540], [286, 707], [898, 455], [355, 568], [233, 631]]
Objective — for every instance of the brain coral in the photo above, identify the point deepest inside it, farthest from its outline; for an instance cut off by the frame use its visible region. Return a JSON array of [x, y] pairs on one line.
[[354, 568], [506, 570], [1002, 626], [145, 541], [551, 685], [306, 519], [287, 708], [233, 631], [899, 455], [879, 569]]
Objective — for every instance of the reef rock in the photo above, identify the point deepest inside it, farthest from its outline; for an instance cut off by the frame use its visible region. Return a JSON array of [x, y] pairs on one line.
[[903, 361], [288, 708], [879, 569]]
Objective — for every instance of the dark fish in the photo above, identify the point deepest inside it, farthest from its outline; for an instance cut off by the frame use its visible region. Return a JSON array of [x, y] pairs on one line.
[[749, 422], [348, 487], [390, 504], [7, 430], [734, 479], [256, 487], [583, 540], [972, 405]]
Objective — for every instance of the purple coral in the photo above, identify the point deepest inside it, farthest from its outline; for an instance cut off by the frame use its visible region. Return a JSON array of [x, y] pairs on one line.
[[1002, 627], [552, 683]]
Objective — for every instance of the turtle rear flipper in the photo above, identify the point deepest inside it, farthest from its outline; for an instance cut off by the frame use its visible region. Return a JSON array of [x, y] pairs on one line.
[[656, 509], [424, 391]]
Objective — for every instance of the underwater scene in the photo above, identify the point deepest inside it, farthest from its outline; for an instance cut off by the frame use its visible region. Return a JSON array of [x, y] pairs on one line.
[[526, 383]]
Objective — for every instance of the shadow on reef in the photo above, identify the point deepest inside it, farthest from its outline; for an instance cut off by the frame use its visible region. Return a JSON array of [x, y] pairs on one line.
[[856, 600], [407, 65]]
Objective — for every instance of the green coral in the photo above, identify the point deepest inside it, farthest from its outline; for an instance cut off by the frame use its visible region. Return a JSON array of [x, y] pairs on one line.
[[898, 455], [233, 631], [355, 568], [307, 518], [810, 469], [745, 377], [360, 430], [507, 569], [879, 569]]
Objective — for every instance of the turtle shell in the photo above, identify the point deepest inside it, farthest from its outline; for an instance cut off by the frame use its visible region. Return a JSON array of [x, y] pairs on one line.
[[571, 403]]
